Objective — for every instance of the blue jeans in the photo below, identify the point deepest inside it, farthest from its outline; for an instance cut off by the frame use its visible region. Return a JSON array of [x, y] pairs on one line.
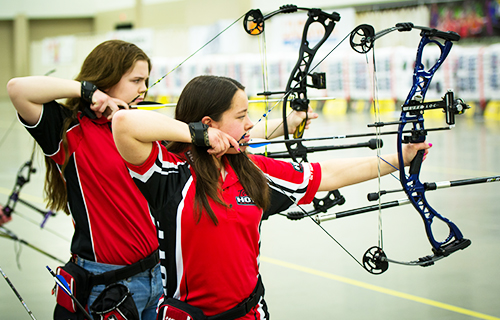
[[146, 287]]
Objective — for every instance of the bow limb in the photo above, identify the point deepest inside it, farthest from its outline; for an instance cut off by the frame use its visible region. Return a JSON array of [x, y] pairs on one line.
[[23, 177]]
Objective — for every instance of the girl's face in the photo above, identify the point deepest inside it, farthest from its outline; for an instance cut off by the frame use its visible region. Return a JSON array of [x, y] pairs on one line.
[[132, 83], [235, 120]]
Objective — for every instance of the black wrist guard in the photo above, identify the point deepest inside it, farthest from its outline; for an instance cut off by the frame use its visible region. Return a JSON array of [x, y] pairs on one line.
[[87, 90], [199, 134]]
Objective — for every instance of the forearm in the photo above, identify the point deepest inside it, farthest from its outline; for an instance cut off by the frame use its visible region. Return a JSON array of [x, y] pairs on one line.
[[42, 89], [134, 130], [338, 173], [29, 93]]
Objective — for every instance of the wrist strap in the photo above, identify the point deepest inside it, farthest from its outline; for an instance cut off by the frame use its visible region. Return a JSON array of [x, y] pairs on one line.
[[87, 90], [199, 134]]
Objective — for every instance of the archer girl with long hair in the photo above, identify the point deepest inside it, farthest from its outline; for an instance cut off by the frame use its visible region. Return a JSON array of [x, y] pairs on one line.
[[86, 176], [208, 196]]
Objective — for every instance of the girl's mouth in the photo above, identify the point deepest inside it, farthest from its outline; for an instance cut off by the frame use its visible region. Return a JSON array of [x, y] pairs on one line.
[[245, 138]]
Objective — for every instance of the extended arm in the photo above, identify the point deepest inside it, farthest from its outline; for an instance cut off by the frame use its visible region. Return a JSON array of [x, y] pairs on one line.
[[338, 173]]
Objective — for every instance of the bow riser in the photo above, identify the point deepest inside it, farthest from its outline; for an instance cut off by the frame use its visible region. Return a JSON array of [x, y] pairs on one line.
[[412, 112], [297, 86]]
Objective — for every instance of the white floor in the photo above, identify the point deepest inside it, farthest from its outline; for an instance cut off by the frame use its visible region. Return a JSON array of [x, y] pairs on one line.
[[307, 275]]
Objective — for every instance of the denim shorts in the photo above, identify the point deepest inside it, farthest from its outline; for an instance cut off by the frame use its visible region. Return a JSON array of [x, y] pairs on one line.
[[146, 287]]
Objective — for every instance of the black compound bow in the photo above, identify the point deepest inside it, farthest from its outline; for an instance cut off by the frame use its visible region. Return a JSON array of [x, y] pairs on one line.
[[295, 94]]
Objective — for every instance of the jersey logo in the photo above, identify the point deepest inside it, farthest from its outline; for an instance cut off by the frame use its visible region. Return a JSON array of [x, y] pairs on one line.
[[243, 199], [298, 167]]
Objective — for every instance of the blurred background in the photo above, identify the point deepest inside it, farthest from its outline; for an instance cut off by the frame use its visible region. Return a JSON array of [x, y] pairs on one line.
[[307, 275]]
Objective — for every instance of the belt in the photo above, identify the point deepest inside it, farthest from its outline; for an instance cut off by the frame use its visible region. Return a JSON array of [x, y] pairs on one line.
[[244, 307], [113, 276]]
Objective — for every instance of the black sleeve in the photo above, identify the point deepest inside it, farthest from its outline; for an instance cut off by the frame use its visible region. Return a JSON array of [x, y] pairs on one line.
[[279, 203], [48, 130]]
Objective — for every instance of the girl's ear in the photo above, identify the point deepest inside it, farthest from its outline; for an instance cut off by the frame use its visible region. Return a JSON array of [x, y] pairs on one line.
[[208, 121]]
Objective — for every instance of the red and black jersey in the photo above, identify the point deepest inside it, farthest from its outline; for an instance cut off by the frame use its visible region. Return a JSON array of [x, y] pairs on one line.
[[214, 267], [111, 217]]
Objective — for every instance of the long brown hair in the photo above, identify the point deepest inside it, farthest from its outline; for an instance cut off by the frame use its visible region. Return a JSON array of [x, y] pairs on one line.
[[104, 67], [212, 96]]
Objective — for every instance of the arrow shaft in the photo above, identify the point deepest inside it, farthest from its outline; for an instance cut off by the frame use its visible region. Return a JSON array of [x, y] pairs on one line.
[[17, 294]]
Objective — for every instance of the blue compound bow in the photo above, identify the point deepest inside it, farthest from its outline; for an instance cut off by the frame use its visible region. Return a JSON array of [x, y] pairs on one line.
[[375, 260]]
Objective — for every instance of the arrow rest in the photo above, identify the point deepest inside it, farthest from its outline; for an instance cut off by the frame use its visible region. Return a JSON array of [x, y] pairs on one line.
[[375, 260]]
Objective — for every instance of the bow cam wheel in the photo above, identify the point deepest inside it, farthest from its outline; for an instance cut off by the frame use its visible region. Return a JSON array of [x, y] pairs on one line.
[[361, 38], [254, 22], [375, 260]]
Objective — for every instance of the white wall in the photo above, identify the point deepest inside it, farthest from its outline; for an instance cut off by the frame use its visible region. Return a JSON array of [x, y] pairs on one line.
[[86, 8]]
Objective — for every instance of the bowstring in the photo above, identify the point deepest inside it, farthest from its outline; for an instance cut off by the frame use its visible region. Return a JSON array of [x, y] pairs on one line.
[[6, 134], [376, 110], [190, 56], [265, 80], [378, 131]]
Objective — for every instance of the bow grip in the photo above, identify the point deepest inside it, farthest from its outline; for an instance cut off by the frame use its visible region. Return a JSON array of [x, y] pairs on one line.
[[416, 163], [299, 131]]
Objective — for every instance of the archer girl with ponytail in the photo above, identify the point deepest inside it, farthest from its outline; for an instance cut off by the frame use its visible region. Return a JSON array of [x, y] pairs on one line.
[[208, 196]]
